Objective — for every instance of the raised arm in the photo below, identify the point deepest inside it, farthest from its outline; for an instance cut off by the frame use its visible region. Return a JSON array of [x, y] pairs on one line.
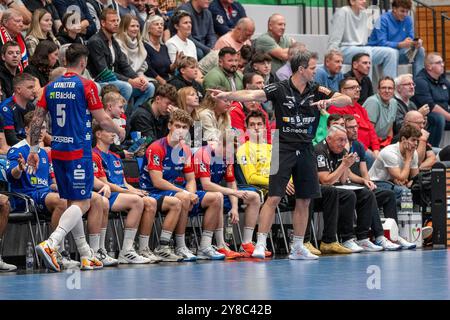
[[241, 95]]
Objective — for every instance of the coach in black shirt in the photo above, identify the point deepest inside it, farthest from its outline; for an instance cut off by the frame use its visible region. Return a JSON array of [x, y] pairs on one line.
[[297, 103]]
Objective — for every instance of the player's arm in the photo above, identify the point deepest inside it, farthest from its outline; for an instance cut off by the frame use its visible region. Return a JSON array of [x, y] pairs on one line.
[[160, 183], [107, 123], [191, 186], [35, 132], [114, 187], [241, 95]]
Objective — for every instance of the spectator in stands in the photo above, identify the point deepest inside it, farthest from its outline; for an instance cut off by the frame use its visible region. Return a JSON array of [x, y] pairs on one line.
[[95, 8], [9, 67], [333, 163], [88, 28], [19, 6], [275, 42], [385, 198], [398, 163], [239, 35], [181, 42], [382, 109], [329, 74], [102, 59], [144, 10], [360, 70], [203, 33], [129, 39], [168, 174], [158, 60], [70, 31], [215, 115], [212, 59], [433, 88], [10, 30], [4, 213], [427, 158], [151, 119], [395, 29], [43, 61], [189, 101], [285, 71], [261, 63], [226, 15], [40, 29], [349, 34], [125, 7], [226, 74], [366, 131], [14, 108], [187, 72], [33, 5]]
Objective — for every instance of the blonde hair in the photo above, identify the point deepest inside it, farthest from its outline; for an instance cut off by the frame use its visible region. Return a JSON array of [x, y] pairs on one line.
[[112, 97], [35, 26], [182, 104], [125, 22], [148, 24], [210, 103]]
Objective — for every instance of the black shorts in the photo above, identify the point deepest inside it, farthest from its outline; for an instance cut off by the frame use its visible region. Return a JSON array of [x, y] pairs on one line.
[[301, 165]]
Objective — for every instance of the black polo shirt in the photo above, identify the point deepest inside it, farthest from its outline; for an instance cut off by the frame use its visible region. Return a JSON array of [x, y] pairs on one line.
[[327, 161], [296, 119], [361, 152], [366, 87]]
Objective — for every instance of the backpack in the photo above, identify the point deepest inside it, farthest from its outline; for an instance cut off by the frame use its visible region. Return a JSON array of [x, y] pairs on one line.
[[421, 189]]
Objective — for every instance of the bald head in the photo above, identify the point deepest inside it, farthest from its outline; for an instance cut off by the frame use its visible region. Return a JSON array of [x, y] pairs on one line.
[[415, 118], [277, 25], [244, 30], [245, 23]]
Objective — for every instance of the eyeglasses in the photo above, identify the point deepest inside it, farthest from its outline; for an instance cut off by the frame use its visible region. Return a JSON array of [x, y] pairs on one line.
[[353, 88], [438, 62], [387, 88], [352, 127], [412, 84]]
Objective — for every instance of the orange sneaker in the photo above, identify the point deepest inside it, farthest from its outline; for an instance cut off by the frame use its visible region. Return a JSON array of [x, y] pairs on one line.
[[248, 248], [48, 254], [229, 254]]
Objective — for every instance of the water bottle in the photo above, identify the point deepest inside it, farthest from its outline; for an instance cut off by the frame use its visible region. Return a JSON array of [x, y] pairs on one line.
[[229, 230], [66, 246], [29, 258], [111, 251], [407, 203]]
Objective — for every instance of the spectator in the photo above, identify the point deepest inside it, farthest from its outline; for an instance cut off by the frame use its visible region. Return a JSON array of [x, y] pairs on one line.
[[214, 115], [329, 74], [88, 28], [275, 42], [395, 29], [14, 108], [226, 15], [43, 61], [187, 72], [188, 101], [19, 6], [95, 8], [151, 119], [33, 5], [10, 30], [226, 74], [349, 34], [237, 37], [70, 31], [127, 7], [212, 59], [40, 29], [56, 73], [360, 69], [433, 88], [144, 9], [9, 67], [382, 109], [285, 72], [180, 42], [261, 63], [203, 33], [105, 55], [404, 91], [129, 39]]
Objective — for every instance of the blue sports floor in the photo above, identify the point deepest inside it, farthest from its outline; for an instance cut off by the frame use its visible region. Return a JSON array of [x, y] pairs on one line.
[[417, 274]]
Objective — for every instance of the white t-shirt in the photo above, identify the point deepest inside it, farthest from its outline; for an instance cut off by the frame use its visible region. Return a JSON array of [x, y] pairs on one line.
[[390, 157], [175, 44]]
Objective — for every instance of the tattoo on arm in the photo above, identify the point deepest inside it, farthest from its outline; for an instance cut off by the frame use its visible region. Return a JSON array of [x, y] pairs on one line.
[[36, 124]]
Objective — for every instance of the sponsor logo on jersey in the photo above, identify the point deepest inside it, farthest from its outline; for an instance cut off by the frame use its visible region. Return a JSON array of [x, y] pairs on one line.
[[79, 174], [37, 180], [62, 139], [321, 161], [116, 163], [62, 95], [202, 167], [156, 160], [63, 85]]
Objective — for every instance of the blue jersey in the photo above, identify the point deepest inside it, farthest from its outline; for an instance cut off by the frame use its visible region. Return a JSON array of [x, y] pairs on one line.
[[69, 100], [28, 183], [13, 115], [110, 164], [173, 163]]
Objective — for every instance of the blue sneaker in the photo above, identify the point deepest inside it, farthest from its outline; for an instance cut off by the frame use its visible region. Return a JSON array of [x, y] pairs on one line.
[[386, 244], [209, 253], [405, 244], [186, 254]]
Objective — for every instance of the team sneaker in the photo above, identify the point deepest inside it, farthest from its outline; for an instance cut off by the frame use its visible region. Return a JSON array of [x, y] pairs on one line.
[[334, 247], [66, 262], [352, 245], [187, 254], [90, 262], [426, 232], [369, 246], [49, 255], [147, 253], [259, 252], [229, 254], [107, 260], [248, 248], [405, 244], [131, 257], [387, 244], [6, 267], [302, 253], [167, 254], [209, 253], [313, 249]]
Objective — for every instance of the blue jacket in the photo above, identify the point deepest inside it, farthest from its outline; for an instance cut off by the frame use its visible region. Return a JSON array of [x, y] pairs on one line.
[[324, 78], [63, 5], [223, 24], [431, 91], [388, 31]]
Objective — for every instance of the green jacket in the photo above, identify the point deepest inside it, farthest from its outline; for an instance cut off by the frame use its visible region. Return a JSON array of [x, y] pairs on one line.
[[217, 78]]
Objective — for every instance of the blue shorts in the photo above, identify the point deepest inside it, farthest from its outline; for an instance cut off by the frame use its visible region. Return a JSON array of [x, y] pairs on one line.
[[227, 202], [196, 210], [113, 199], [38, 198], [75, 178]]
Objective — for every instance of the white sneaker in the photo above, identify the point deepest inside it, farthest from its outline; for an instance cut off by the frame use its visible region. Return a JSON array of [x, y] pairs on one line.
[[426, 232], [167, 254], [302, 253], [131, 257], [259, 252], [209, 253], [6, 267], [107, 261], [405, 244], [147, 253], [185, 253], [369, 246], [352, 245], [67, 262], [387, 244]]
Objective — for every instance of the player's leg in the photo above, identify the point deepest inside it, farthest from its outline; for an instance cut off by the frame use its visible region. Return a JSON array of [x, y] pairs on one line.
[[145, 229]]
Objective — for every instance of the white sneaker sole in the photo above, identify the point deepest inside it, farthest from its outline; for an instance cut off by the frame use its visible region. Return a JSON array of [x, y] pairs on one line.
[[292, 257], [46, 258]]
